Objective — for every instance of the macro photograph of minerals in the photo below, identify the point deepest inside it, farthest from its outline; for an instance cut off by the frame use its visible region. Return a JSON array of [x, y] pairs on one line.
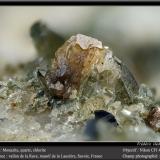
[[79, 73]]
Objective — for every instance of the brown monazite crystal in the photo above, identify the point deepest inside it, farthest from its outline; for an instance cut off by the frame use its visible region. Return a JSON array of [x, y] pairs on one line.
[[153, 118], [72, 65], [83, 65]]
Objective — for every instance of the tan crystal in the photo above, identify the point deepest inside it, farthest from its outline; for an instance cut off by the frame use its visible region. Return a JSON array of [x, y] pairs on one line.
[[73, 64]]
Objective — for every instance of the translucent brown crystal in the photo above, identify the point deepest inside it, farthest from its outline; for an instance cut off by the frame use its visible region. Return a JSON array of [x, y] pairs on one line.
[[153, 118], [72, 65]]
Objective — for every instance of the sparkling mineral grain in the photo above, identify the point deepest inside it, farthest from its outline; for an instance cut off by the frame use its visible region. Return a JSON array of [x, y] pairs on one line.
[[153, 119]]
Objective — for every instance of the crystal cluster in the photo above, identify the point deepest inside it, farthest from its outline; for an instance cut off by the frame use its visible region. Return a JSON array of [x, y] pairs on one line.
[[54, 103]]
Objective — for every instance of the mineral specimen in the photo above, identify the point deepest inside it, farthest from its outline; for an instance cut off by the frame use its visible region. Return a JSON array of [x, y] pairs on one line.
[[153, 118], [84, 78]]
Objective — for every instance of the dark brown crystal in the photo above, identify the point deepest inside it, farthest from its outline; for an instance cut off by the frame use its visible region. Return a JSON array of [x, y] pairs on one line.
[[153, 118]]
